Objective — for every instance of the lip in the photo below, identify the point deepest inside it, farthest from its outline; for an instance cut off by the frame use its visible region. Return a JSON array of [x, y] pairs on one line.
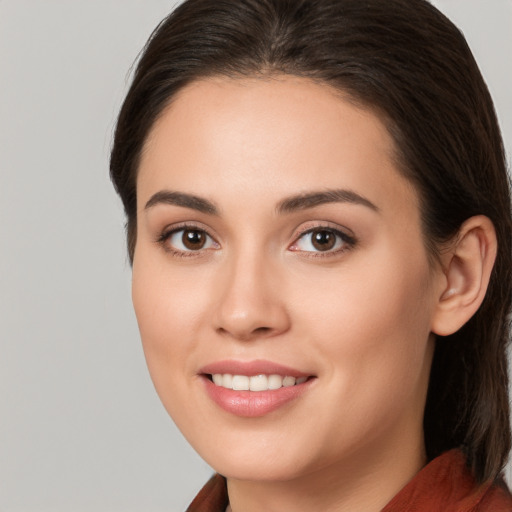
[[253, 404], [251, 368]]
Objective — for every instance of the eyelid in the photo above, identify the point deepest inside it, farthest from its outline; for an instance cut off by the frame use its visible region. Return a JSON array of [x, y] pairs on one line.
[[310, 226], [171, 228], [167, 232], [346, 235]]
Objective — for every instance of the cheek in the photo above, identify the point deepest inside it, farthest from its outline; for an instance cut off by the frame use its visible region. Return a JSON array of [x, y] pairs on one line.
[[166, 299], [373, 325], [166, 308]]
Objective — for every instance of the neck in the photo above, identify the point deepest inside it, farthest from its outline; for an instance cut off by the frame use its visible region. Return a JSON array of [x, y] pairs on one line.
[[364, 484]]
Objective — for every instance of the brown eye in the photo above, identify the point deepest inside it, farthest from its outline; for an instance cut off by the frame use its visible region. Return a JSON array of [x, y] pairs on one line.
[[193, 239], [323, 240], [188, 240]]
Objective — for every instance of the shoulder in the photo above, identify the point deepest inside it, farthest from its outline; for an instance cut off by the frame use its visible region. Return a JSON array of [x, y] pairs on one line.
[[213, 497], [497, 498], [447, 484]]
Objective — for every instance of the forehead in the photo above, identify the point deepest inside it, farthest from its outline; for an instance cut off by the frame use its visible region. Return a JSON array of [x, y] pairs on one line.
[[278, 135]]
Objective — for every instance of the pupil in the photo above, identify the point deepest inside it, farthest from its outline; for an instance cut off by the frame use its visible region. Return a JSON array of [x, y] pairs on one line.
[[323, 240], [193, 239]]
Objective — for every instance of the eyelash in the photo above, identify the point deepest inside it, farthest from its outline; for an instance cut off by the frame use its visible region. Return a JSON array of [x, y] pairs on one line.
[[165, 236], [348, 241]]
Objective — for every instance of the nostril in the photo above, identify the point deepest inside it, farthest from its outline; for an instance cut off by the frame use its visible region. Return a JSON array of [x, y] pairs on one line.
[[262, 330], [249, 334]]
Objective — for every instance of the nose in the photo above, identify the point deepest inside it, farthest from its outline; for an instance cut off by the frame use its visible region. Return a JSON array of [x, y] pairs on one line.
[[251, 302]]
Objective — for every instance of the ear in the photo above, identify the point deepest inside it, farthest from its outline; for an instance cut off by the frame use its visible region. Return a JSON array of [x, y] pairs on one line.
[[467, 267]]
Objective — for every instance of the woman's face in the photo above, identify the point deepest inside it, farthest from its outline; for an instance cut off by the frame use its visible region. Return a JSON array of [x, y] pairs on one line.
[[278, 243]]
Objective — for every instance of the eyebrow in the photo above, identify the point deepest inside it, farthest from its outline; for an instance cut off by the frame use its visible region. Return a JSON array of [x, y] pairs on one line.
[[312, 199], [287, 205], [182, 199]]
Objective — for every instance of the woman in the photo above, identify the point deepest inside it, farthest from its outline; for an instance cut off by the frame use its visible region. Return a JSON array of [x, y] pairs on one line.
[[319, 225]]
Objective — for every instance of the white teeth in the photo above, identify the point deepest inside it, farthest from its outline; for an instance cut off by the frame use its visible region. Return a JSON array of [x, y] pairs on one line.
[[256, 382], [288, 381], [227, 381], [240, 383], [275, 381]]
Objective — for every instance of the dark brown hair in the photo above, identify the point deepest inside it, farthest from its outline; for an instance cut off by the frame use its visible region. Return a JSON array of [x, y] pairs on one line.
[[412, 66]]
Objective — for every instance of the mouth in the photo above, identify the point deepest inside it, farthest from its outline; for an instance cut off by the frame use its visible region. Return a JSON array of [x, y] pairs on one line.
[[255, 388], [257, 383]]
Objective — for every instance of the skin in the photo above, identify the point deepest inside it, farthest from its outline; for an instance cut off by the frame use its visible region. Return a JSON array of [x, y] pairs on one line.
[[359, 319]]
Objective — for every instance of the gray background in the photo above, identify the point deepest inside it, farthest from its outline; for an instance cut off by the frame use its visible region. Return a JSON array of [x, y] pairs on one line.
[[81, 427]]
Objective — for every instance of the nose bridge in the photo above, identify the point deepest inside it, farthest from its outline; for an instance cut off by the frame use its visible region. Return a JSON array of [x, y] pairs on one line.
[[250, 302]]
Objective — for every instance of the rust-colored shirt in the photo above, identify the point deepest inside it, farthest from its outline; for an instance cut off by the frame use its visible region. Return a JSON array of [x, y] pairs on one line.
[[444, 485]]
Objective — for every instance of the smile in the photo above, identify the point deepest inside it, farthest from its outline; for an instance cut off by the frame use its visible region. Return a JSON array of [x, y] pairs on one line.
[[260, 382], [255, 388]]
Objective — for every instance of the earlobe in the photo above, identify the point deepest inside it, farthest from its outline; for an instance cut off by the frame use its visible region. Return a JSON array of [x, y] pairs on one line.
[[467, 267]]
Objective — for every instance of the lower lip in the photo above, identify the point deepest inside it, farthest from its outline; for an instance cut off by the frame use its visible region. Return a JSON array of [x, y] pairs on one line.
[[251, 404]]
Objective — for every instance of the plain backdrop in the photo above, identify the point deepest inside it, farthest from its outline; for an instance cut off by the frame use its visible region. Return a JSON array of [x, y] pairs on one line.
[[81, 427]]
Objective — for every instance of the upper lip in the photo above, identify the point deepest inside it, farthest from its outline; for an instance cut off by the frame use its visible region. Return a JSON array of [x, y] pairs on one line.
[[251, 368]]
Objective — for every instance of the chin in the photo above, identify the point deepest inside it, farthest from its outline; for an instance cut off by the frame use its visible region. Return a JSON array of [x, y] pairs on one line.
[[270, 470], [262, 460]]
